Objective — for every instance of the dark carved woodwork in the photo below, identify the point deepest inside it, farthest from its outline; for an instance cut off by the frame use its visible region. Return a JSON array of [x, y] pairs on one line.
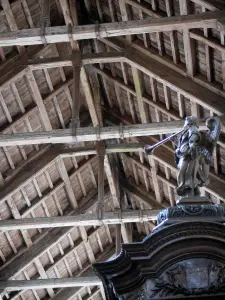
[[202, 211], [183, 279], [156, 268]]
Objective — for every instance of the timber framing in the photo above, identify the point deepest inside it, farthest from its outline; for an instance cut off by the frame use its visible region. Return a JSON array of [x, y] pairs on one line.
[[91, 134], [87, 59], [129, 77], [82, 220], [17, 285], [60, 34]]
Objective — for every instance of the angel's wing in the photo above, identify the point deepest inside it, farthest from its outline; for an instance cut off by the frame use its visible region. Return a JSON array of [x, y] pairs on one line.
[[214, 126], [210, 139]]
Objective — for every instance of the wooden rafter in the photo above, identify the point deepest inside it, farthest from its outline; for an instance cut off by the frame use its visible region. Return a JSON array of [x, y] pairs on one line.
[[176, 81], [49, 240], [144, 179]]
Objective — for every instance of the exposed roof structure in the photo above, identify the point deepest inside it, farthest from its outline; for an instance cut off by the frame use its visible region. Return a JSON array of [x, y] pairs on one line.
[[154, 61]]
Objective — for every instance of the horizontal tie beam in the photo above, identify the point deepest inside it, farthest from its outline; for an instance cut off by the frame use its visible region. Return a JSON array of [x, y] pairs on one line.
[[17, 285], [131, 216], [60, 34], [87, 58], [85, 134]]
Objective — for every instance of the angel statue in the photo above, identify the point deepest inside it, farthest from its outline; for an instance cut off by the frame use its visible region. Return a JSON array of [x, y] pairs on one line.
[[193, 154]]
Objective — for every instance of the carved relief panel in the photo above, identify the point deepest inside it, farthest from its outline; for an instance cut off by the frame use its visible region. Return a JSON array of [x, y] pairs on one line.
[[199, 276]]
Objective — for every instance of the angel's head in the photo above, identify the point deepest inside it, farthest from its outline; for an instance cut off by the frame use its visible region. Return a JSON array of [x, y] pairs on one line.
[[191, 121], [210, 123]]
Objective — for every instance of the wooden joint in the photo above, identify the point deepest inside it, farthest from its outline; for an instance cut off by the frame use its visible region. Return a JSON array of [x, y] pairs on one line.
[[75, 123], [70, 32], [76, 59], [44, 22], [221, 24], [120, 216], [97, 30], [100, 213], [128, 50], [101, 149], [98, 132], [24, 61], [121, 132], [141, 216]]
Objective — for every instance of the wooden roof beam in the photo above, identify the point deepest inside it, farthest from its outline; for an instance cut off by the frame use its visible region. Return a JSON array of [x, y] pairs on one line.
[[52, 154], [189, 46], [144, 197], [49, 239], [139, 88], [177, 82], [33, 170], [17, 69], [11, 21], [69, 294], [210, 4], [66, 252], [17, 285], [92, 133], [87, 58], [70, 17], [109, 148], [170, 77], [39, 100], [190, 42], [131, 216], [151, 101], [65, 177], [60, 34], [126, 14]]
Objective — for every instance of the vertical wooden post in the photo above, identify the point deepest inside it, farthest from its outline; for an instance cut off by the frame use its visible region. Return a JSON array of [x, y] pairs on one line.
[[189, 44], [118, 239], [45, 18], [45, 11], [126, 14], [73, 11], [101, 156], [76, 61], [222, 39]]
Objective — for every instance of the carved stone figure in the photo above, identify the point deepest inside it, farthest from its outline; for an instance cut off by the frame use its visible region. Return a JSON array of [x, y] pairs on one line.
[[193, 155]]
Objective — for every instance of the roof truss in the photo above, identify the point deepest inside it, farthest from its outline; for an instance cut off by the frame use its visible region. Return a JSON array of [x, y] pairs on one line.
[[138, 171]]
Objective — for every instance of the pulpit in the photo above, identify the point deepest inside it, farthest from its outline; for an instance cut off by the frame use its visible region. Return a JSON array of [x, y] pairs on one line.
[[180, 260]]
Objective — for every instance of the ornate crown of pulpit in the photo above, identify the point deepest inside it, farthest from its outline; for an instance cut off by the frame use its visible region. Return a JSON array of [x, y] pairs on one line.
[[184, 256]]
